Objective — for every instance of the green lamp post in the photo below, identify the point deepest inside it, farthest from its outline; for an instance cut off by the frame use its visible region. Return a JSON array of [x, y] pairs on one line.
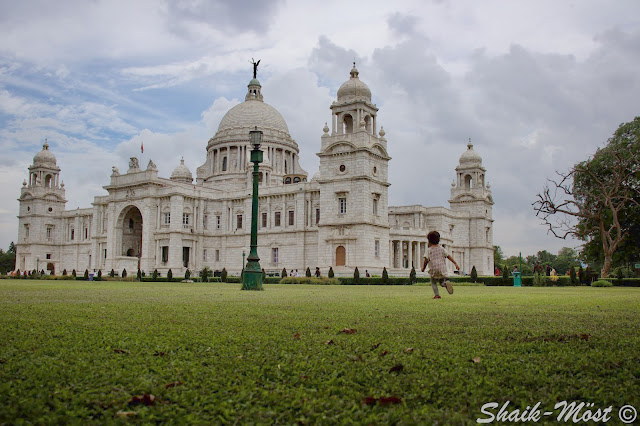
[[252, 277]]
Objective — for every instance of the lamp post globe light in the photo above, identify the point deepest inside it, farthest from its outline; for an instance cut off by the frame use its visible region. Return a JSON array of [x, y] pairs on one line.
[[252, 276]]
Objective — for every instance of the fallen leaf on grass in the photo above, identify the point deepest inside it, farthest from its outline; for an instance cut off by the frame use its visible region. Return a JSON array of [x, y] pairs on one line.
[[383, 353], [408, 350], [159, 353], [348, 330], [126, 414], [296, 336], [369, 401], [120, 351], [329, 342], [173, 385], [476, 360], [146, 399], [396, 368], [388, 400]]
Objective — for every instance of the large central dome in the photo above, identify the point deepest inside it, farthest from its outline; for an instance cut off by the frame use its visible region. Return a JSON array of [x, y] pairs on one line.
[[251, 113]]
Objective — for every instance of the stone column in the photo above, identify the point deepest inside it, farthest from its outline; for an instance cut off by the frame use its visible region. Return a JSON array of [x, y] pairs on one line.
[[410, 254]]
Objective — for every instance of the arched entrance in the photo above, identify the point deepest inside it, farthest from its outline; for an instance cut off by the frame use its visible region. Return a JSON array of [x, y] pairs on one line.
[[131, 226], [341, 255], [51, 268]]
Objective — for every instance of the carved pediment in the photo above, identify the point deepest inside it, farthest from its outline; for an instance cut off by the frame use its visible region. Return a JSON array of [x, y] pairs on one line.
[[340, 147]]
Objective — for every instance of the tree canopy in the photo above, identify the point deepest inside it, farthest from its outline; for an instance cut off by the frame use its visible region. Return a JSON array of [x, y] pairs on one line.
[[597, 199]]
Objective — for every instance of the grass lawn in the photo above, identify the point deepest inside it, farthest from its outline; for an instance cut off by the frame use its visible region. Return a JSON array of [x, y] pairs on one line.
[[85, 352]]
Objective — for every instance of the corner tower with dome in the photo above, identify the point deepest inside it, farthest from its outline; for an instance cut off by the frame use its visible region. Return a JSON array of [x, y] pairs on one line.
[[339, 219]]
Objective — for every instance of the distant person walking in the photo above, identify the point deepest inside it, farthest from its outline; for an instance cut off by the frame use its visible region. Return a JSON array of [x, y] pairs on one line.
[[435, 257]]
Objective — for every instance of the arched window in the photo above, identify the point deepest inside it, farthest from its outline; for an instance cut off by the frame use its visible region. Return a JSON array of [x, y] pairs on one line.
[[47, 181], [287, 180], [468, 182], [341, 254], [296, 179], [367, 124], [348, 124]]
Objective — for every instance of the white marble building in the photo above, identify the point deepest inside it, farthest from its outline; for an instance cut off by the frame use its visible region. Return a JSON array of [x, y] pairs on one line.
[[339, 218]]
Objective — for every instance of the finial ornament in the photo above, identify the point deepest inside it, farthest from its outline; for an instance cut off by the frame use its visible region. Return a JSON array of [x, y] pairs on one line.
[[469, 145], [255, 67]]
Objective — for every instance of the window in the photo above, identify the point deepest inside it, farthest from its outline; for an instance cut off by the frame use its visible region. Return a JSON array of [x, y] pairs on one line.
[[185, 220], [376, 248], [104, 253], [73, 234], [343, 205], [291, 218], [86, 233], [264, 220], [167, 218], [48, 255], [204, 254], [277, 219], [217, 222], [239, 221], [204, 221], [217, 255], [375, 206], [48, 233], [274, 255], [317, 216], [224, 164], [165, 254]]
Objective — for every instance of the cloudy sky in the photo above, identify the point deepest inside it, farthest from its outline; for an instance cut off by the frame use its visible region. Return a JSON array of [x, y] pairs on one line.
[[537, 86]]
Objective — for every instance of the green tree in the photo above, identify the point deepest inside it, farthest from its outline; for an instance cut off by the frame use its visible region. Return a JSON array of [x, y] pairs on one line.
[[474, 274], [187, 275], [385, 275], [330, 274], [139, 275], [356, 276], [498, 256], [283, 273], [124, 273], [308, 273], [412, 276], [572, 275], [593, 199], [223, 275], [154, 276], [86, 274], [566, 259], [169, 275]]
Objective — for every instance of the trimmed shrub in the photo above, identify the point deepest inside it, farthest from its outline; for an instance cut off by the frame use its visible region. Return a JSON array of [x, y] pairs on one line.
[[124, 273], [505, 274], [64, 272], [474, 274], [385, 276], [601, 283], [582, 277], [308, 273], [112, 274], [356, 276], [169, 275], [187, 275], [73, 273], [18, 273], [154, 276], [539, 280], [412, 275], [139, 275], [264, 275], [205, 273], [572, 275], [223, 275], [99, 274], [283, 273], [310, 280], [331, 274]]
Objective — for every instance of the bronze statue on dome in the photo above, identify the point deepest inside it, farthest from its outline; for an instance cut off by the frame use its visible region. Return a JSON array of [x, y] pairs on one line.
[[255, 67]]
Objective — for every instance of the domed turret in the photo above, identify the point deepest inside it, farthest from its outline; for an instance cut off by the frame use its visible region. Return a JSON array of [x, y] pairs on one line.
[[228, 151], [470, 156], [354, 89], [44, 158], [182, 173]]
